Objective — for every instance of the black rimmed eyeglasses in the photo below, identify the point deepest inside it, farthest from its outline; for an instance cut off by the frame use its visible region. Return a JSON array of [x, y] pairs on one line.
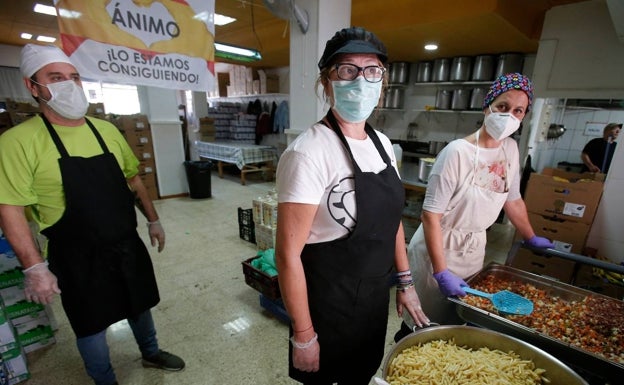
[[348, 71]]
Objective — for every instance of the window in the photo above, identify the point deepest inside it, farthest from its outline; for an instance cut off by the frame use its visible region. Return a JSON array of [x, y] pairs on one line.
[[117, 98]]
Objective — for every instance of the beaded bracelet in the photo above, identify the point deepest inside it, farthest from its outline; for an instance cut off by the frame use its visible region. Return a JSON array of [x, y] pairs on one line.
[[304, 345], [404, 288]]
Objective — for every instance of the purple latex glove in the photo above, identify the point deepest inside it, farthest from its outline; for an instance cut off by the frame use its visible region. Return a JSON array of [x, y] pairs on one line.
[[449, 283], [541, 242]]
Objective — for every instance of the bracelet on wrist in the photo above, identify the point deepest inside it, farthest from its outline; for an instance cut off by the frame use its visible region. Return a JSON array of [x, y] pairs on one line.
[[303, 330], [305, 345]]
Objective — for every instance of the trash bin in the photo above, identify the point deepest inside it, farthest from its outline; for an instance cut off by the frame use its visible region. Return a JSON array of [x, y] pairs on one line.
[[198, 177]]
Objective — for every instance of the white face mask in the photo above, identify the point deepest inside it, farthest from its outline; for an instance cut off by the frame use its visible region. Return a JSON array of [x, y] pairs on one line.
[[500, 125], [355, 100], [67, 99]]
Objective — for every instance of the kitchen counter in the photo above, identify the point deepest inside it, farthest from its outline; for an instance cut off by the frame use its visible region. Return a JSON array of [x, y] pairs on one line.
[[409, 176]]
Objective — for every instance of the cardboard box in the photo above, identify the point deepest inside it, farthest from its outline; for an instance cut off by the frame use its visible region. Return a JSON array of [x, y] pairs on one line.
[[147, 167], [14, 361], [573, 176], [136, 122], [139, 139], [568, 236], [12, 294], [547, 266], [96, 110], [8, 338], [22, 308], [550, 195], [35, 334], [11, 277]]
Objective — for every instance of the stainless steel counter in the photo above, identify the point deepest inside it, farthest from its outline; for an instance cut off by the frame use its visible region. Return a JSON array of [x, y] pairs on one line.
[[409, 176]]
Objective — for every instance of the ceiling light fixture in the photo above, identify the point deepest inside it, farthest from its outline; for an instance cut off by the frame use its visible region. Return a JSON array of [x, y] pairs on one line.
[[231, 52], [431, 47], [46, 39], [45, 9], [25, 35]]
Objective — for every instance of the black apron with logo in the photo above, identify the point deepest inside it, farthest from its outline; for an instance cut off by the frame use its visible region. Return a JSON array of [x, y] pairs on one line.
[[103, 267], [348, 279]]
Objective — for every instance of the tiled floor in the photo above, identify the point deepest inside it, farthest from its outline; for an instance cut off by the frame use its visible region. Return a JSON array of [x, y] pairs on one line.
[[207, 314]]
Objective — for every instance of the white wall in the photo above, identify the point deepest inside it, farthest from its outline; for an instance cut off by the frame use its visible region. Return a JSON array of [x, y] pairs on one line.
[[580, 56]]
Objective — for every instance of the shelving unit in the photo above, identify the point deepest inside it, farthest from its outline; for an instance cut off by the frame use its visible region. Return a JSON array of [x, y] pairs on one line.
[[451, 85]]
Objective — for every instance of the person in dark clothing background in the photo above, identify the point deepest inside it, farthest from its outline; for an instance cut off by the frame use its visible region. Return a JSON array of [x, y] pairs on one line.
[[598, 152]]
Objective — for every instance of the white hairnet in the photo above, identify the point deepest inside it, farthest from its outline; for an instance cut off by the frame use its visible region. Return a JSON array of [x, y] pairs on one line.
[[34, 57]]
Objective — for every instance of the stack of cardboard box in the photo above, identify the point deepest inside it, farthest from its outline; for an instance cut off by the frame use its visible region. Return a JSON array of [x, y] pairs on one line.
[[136, 130], [20, 112], [207, 129], [24, 326], [561, 207], [96, 110]]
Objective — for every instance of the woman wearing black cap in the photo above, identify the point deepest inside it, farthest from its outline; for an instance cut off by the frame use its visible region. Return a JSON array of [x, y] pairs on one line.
[[339, 232]]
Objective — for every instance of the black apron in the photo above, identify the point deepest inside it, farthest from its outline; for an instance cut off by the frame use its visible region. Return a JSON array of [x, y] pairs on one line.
[[348, 279], [103, 267]]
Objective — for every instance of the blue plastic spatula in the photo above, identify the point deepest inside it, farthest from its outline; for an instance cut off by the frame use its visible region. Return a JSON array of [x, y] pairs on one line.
[[505, 301]]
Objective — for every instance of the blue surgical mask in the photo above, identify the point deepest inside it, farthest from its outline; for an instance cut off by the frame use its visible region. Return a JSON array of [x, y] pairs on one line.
[[355, 100]]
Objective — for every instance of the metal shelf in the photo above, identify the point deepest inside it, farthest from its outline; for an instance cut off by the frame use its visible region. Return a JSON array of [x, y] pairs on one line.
[[451, 111], [437, 84]]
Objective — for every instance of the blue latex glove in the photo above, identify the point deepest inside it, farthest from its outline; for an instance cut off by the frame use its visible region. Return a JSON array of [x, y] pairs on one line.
[[540, 242], [449, 283]]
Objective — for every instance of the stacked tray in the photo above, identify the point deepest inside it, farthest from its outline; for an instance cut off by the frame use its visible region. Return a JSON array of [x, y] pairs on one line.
[[577, 357]]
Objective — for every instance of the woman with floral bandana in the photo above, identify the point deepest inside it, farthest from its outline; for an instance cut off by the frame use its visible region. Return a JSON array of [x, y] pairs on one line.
[[472, 179]]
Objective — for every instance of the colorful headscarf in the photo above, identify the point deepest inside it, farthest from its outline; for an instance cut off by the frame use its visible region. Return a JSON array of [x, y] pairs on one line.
[[507, 82]]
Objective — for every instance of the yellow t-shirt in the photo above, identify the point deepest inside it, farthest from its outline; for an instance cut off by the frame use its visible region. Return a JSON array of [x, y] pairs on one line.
[[29, 171]]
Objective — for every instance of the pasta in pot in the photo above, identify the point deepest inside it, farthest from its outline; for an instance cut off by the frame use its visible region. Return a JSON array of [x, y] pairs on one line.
[[445, 363]]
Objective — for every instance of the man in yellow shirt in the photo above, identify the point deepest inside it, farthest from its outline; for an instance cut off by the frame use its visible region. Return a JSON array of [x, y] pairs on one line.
[[78, 177]]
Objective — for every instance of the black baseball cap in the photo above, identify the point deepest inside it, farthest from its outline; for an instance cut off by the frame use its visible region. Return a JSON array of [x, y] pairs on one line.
[[353, 40]]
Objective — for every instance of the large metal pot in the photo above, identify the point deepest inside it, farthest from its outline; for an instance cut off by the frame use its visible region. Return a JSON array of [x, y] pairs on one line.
[[424, 168], [443, 99], [435, 147], [476, 98], [461, 97], [483, 68], [509, 62], [423, 72], [394, 97], [472, 337], [398, 73], [441, 70], [460, 69]]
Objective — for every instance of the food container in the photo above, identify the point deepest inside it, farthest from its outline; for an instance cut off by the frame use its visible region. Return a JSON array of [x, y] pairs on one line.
[[461, 67], [476, 98], [394, 97], [460, 99], [424, 168], [577, 358], [483, 68], [556, 371], [509, 62], [398, 73], [423, 72], [441, 70], [443, 99]]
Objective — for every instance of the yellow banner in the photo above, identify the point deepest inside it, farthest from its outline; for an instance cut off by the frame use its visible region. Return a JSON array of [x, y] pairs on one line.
[[161, 43]]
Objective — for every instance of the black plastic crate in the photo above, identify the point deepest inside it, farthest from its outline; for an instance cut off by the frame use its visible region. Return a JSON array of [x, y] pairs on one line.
[[246, 227], [261, 281], [245, 217]]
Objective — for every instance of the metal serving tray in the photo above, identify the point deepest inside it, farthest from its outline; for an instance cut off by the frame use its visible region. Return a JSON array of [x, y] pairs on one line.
[[572, 355]]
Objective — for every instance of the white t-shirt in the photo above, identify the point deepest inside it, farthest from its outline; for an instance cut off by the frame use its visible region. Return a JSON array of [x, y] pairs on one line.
[[454, 168], [316, 169]]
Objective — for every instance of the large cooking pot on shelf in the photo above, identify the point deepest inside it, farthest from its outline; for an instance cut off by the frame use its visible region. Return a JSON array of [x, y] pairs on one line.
[[423, 71], [460, 99], [483, 68], [509, 62], [475, 338], [398, 73], [441, 70], [460, 69], [443, 99], [477, 96], [394, 97]]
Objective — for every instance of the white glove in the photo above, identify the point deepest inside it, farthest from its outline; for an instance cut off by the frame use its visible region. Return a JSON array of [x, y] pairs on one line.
[[40, 284], [157, 234], [408, 300]]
